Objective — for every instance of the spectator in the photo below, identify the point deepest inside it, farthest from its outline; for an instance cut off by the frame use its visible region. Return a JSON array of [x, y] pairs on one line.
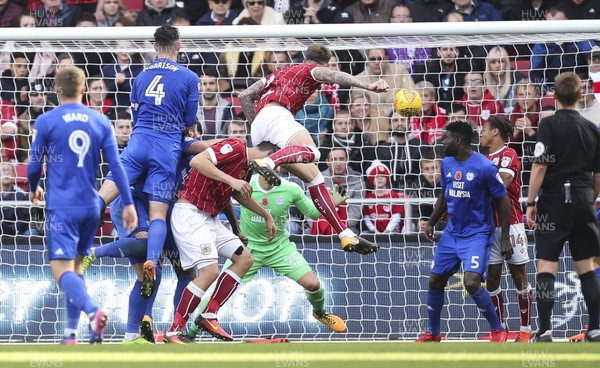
[[360, 118], [53, 13], [407, 56], [14, 83], [124, 21], [8, 130], [429, 10], [15, 220], [530, 9], [97, 95], [310, 10], [108, 11], [158, 12], [260, 13], [9, 11], [526, 114], [371, 11], [218, 15], [428, 184], [458, 112], [594, 69], [123, 127], [23, 21], [475, 11], [120, 74], [445, 70], [332, 91], [91, 62], [341, 135], [85, 6], [194, 9], [193, 60], [384, 217], [238, 128], [429, 125], [215, 111], [38, 105], [243, 65], [277, 60], [587, 105], [339, 173], [396, 75], [62, 60], [480, 103], [316, 115], [498, 77], [581, 9], [550, 59]]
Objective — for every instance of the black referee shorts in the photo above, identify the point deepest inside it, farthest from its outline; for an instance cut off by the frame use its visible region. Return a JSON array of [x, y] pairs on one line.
[[558, 222]]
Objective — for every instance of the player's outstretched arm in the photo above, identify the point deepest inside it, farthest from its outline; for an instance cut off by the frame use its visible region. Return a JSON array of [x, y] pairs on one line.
[[203, 163], [325, 75], [503, 206], [439, 210], [247, 99], [200, 146], [251, 204]]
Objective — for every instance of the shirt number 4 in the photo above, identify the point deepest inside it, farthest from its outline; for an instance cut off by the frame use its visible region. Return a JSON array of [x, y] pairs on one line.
[[156, 90]]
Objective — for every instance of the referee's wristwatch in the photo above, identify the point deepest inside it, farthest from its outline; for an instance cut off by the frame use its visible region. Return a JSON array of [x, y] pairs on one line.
[[531, 204]]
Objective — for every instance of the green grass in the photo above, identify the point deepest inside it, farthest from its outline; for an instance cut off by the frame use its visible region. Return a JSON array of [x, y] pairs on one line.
[[307, 355]]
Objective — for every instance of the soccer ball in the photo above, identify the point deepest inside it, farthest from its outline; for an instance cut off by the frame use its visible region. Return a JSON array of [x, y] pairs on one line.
[[407, 102]]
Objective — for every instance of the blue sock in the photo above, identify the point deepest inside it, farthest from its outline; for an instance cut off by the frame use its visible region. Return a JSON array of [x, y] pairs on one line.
[[182, 282], [153, 297], [598, 273], [137, 305], [74, 287], [484, 302], [73, 314], [157, 233], [121, 248], [435, 304]]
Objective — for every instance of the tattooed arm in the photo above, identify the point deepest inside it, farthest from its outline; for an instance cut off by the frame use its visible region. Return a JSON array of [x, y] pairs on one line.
[[247, 99], [325, 75]]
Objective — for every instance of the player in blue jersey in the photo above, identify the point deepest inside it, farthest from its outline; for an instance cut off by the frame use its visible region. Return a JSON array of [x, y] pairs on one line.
[[69, 140], [470, 185], [164, 100]]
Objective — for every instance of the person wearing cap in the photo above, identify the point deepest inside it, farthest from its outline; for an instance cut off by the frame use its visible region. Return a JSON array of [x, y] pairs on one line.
[[382, 217], [38, 104], [371, 11]]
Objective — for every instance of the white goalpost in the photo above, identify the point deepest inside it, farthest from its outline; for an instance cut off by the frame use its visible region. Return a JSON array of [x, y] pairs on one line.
[[381, 296]]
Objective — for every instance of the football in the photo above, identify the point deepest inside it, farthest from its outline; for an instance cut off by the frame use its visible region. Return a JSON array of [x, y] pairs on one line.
[[407, 102]]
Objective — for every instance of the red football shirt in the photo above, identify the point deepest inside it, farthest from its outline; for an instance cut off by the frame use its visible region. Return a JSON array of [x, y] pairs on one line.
[[211, 196], [507, 161], [481, 111], [290, 86], [381, 214], [429, 128], [8, 117]]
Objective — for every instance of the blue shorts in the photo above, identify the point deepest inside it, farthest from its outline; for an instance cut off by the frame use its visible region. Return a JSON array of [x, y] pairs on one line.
[[154, 159], [473, 252], [70, 232]]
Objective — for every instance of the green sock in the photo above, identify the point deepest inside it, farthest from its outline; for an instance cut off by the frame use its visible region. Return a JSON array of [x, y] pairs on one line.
[[193, 330], [317, 299]]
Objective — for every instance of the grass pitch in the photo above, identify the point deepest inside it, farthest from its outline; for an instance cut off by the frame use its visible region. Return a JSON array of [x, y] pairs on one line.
[[307, 355]]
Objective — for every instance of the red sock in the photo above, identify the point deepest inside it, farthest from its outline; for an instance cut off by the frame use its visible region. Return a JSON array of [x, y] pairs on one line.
[[498, 301], [227, 283], [525, 300], [293, 155], [187, 305], [322, 200]]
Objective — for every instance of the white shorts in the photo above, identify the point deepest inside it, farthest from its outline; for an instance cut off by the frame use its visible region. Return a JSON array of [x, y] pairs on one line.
[[518, 239], [275, 124], [200, 237]]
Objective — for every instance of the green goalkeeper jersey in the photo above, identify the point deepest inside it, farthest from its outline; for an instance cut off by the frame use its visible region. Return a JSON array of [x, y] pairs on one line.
[[277, 201]]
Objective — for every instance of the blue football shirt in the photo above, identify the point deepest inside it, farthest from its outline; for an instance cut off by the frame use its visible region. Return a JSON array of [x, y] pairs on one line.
[[469, 188], [160, 96], [69, 139]]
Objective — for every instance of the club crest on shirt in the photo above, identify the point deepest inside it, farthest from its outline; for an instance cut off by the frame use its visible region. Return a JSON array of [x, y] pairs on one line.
[[496, 160], [505, 161], [387, 208], [265, 201], [485, 114], [226, 149], [280, 201], [458, 175], [470, 176]]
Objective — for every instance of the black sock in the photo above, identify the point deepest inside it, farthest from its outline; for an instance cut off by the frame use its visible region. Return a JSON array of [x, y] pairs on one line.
[[590, 288], [544, 295]]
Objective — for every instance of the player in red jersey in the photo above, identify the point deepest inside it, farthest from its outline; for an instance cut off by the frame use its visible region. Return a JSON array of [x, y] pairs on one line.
[[280, 96], [494, 136], [217, 174], [382, 218]]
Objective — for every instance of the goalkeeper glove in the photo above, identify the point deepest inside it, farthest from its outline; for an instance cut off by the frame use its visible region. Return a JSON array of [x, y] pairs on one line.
[[338, 195]]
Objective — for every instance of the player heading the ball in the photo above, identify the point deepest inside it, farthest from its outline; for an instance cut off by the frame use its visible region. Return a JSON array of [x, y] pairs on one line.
[[279, 97]]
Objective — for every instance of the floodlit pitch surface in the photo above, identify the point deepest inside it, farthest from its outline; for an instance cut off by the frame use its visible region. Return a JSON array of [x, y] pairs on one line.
[[308, 355]]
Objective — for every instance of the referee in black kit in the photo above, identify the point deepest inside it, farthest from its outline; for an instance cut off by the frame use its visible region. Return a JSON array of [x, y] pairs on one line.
[[567, 170]]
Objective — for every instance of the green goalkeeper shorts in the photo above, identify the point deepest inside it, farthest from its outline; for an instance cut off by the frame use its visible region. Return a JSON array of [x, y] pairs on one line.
[[285, 261]]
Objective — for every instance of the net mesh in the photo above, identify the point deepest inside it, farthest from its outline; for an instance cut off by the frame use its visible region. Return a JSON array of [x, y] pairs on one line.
[[381, 296]]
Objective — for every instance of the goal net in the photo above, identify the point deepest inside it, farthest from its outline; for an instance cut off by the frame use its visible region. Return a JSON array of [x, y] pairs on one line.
[[463, 71]]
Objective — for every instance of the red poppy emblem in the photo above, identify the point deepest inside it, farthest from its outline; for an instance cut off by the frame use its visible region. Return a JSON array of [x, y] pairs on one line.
[[458, 175], [265, 201]]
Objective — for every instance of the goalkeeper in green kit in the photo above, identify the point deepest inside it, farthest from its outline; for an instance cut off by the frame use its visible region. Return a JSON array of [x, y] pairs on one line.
[[280, 253]]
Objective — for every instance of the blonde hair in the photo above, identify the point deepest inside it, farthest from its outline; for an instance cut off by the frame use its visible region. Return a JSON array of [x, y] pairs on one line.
[[505, 82]]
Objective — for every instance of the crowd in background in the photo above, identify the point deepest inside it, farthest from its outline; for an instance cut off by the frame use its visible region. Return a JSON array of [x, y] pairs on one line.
[[365, 147]]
